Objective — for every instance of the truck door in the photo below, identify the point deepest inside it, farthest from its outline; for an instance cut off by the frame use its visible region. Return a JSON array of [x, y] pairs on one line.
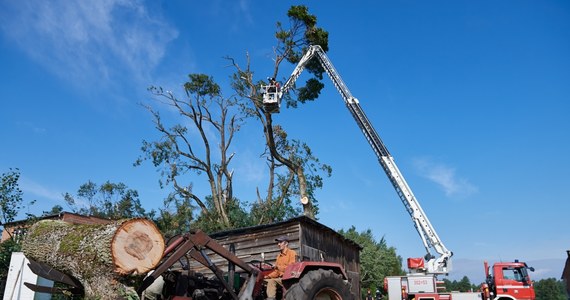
[[514, 282]]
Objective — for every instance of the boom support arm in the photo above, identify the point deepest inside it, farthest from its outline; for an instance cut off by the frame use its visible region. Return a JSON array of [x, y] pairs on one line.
[[194, 244], [430, 239]]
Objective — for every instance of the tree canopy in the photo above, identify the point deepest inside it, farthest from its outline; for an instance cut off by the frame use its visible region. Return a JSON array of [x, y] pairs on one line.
[[377, 259], [281, 150], [109, 200], [10, 195], [185, 154], [550, 289]]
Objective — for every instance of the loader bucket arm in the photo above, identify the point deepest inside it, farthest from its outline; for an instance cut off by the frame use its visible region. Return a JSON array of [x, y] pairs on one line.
[[194, 244]]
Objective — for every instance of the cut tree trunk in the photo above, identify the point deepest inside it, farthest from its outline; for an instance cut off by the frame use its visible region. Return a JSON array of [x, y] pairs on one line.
[[101, 257]]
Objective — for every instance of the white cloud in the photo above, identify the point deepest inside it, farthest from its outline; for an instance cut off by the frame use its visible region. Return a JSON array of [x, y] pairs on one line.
[[445, 177], [88, 41], [30, 187], [37, 191]]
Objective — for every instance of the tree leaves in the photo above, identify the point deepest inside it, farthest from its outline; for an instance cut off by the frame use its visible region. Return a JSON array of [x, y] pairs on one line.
[[202, 85], [109, 200], [185, 148], [10, 195], [550, 289], [377, 259]]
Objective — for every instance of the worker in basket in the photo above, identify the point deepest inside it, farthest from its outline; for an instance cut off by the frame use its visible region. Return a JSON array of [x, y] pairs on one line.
[[273, 85], [271, 95]]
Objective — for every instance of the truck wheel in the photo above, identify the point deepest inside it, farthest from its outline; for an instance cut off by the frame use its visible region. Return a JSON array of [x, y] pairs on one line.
[[320, 285]]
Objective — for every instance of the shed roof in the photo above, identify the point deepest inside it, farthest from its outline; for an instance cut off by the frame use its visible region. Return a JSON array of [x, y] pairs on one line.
[[301, 219], [50, 217]]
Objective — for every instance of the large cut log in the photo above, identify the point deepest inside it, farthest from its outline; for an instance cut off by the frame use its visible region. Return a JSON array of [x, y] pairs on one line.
[[101, 257]]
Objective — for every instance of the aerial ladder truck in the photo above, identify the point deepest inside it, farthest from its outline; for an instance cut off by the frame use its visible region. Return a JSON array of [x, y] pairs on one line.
[[440, 264], [421, 282]]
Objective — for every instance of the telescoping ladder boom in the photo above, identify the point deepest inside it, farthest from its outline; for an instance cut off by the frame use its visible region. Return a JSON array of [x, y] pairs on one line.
[[430, 239]]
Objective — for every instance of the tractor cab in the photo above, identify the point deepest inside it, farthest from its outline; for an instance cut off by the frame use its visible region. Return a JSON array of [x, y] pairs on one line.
[[271, 96]]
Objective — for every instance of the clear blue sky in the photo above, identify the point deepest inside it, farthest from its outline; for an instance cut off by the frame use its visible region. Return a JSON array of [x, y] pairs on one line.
[[470, 97]]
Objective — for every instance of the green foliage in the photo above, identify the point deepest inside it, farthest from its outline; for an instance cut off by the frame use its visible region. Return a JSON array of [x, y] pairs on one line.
[[238, 217], [550, 289], [303, 32], [175, 216], [186, 149], [6, 249], [272, 211], [294, 41], [160, 153], [310, 91], [288, 185], [109, 200], [377, 260], [301, 13], [464, 285], [56, 209], [176, 154], [10, 196], [202, 85], [293, 171]]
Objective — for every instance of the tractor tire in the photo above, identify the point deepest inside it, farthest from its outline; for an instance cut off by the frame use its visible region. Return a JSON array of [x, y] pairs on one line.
[[320, 285]]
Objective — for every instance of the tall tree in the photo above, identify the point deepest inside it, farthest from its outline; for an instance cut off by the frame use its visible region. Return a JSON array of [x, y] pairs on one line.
[[292, 43], [10, 196], [377, 259], [178, 153]]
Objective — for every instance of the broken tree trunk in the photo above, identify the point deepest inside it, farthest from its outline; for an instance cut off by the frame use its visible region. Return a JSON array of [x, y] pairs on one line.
[[101, 257]]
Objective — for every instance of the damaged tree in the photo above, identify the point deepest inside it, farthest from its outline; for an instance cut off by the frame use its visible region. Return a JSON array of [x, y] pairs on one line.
[[178, 153], [303, 168], [101, 257]]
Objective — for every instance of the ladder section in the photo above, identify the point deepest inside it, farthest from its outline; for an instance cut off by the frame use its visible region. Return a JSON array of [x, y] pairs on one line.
[[423, 226], [421, 222]]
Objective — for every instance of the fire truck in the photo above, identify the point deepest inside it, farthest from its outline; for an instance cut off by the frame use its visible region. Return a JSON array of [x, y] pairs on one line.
[[506, 280]]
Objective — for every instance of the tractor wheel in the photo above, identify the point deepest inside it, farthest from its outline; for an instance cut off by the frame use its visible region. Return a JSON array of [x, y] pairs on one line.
[[320, 285]]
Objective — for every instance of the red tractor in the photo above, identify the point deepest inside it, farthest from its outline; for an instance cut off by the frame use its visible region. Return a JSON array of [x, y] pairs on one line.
[[302, 280]]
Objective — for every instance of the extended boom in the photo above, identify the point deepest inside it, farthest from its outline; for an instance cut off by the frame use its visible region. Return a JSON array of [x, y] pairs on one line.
[[430, 239]]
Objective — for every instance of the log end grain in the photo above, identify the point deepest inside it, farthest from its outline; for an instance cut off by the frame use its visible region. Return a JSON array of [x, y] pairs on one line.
[[137, 247]]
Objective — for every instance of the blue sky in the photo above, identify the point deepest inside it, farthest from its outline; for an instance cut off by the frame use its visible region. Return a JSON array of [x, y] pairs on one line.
[[470, 97]]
